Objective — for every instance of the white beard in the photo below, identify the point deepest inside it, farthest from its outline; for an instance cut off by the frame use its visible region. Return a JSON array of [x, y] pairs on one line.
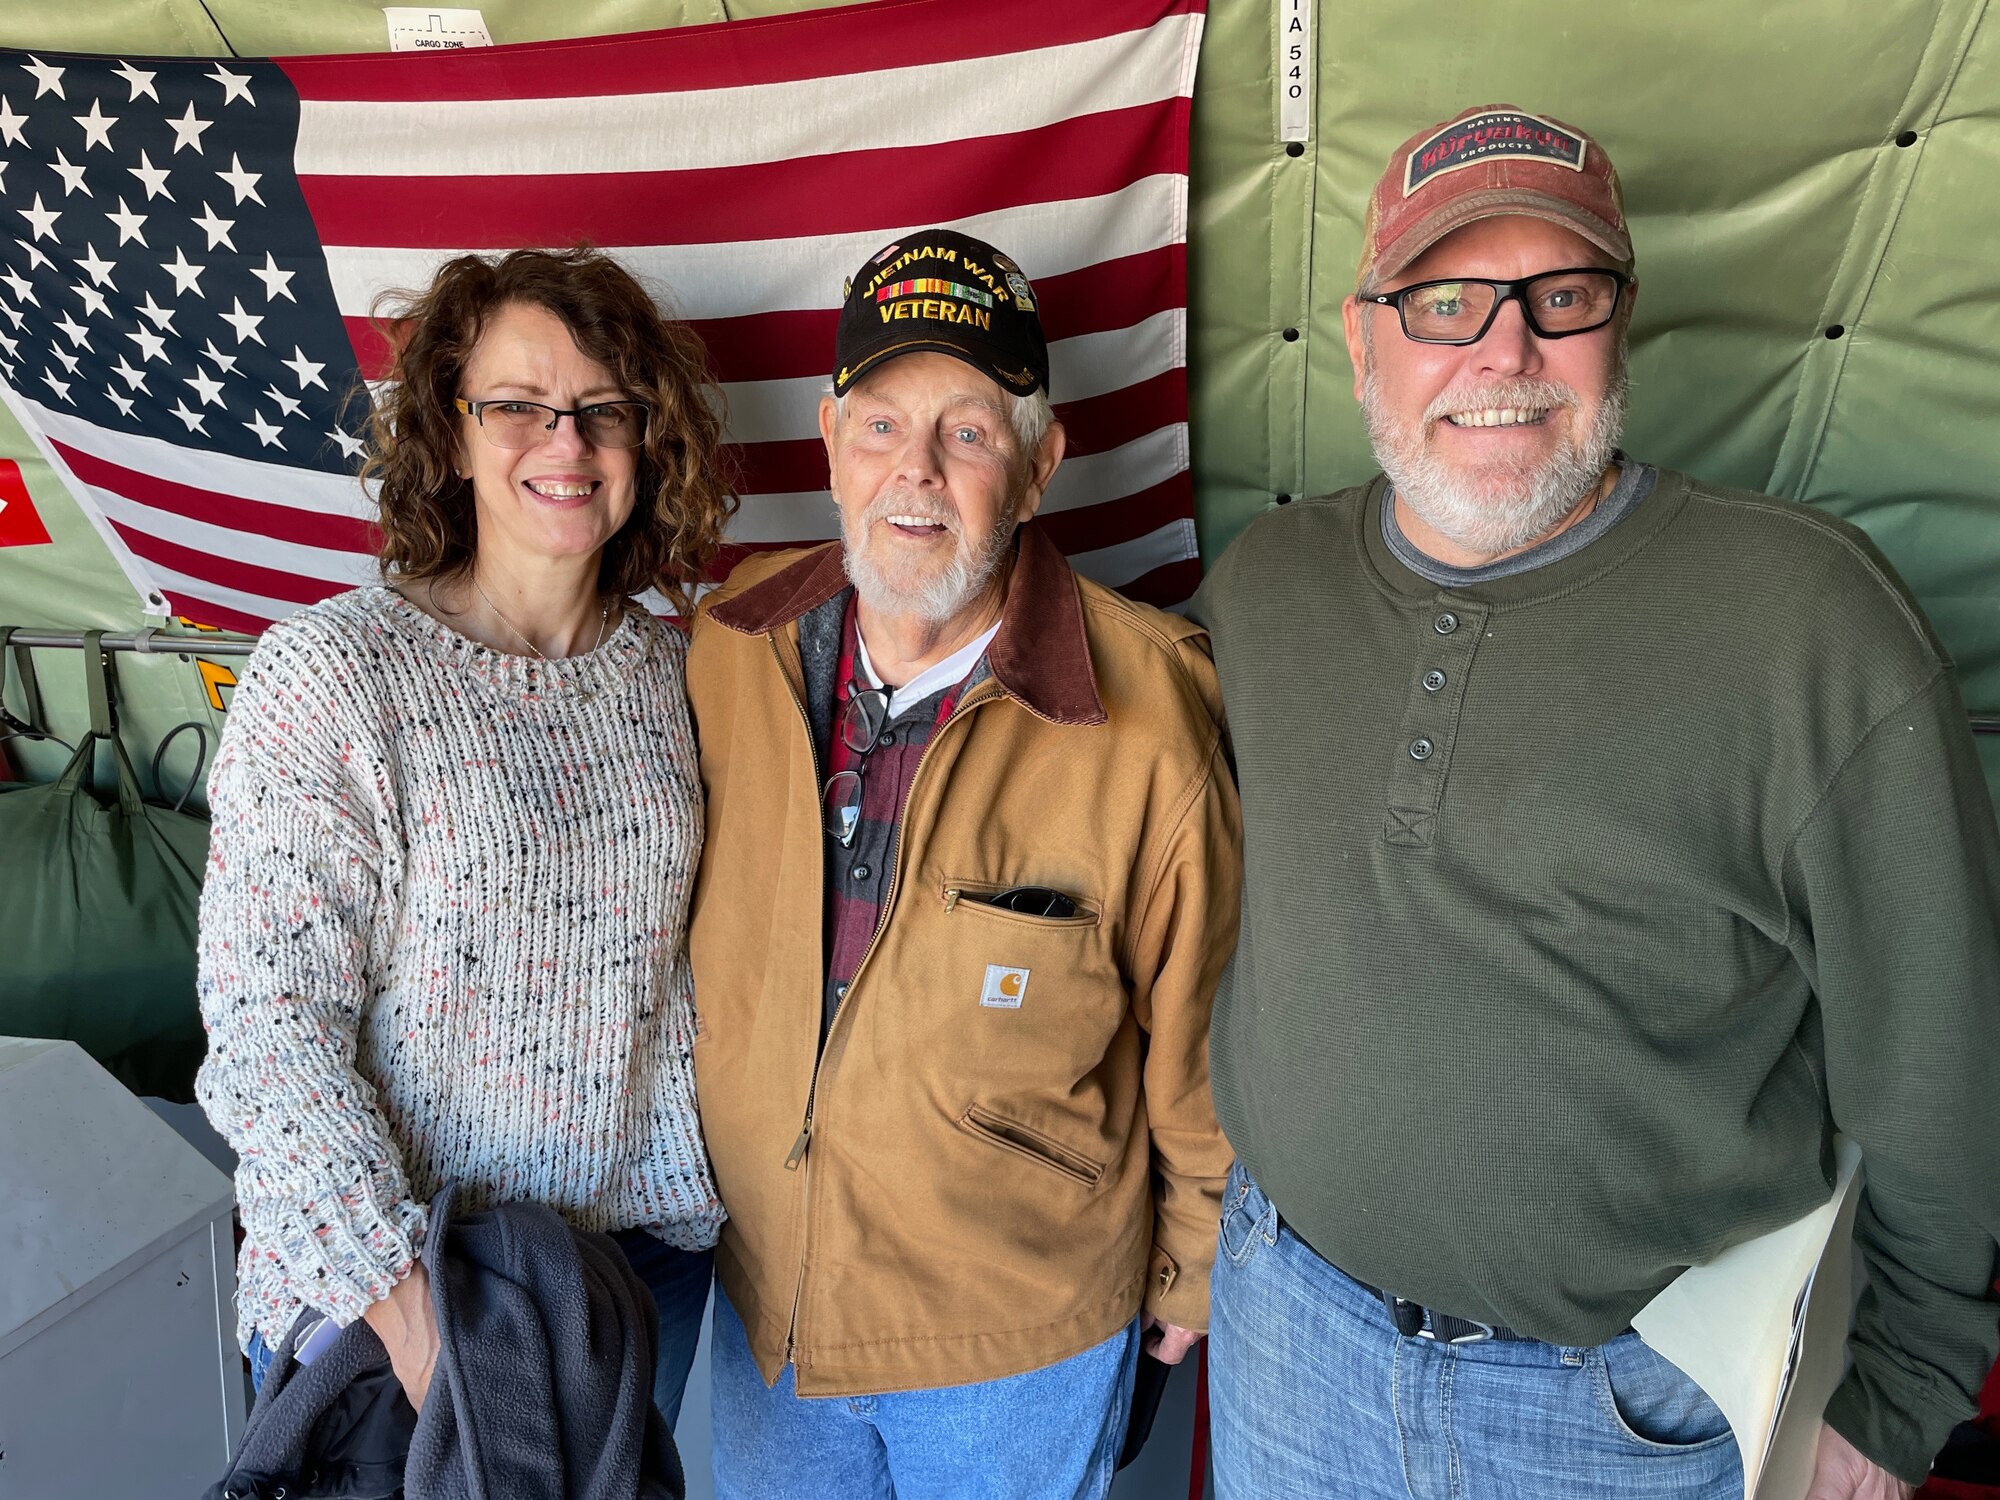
[[1504, 506], [902, 590]]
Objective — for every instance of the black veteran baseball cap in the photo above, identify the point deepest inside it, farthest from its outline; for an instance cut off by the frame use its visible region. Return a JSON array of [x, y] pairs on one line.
[[941, 290]]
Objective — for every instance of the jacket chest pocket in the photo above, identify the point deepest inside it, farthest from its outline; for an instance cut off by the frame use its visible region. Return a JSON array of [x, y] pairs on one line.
[[1019, 996]]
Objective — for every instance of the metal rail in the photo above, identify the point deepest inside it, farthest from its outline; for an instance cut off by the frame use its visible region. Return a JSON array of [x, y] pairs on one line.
[[148, 642]]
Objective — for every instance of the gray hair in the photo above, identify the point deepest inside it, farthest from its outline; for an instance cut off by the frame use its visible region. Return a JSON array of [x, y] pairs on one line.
[[1029, 416]]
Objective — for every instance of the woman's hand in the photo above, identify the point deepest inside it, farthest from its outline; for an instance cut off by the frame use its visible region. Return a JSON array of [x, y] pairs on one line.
[[406, 1324]]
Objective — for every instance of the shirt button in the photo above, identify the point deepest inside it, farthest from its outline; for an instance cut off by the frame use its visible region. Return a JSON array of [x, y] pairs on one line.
[[840, 992], [859, 872], [1421, 749], [1433, 680], [888, 737], [1445, 623]]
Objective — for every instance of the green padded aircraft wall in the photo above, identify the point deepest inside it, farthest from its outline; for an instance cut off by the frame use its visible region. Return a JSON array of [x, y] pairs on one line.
[[1814, 189]]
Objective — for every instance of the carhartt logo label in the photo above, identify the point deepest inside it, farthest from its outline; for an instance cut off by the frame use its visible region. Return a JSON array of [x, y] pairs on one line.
[[1478, 138], [1004, 987]]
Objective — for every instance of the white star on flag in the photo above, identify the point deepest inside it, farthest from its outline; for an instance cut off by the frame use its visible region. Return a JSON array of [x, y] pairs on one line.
[[74, 331], [305, 369], [93, 300], [216, 229], [242, 183], [291, 406], [160, 317], [187, 130], [36, 259], [186, 274], [48, 80], [95, 267], [350, 445], [205, 386], [194, 419], [151, 345], [223, 362], [138, 80], [235, 85], [128, 223], [136, 379], [96, 126], [14, 313], [244, 323], [123, 403], [276, 282], [154, 178], [57, 384], [72, 176], [69, 360], [41, 220], [267, 432], [22, 288], [11, 123]]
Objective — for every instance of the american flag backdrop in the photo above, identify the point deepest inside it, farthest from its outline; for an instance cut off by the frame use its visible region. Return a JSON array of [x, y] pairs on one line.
[[189, 251]]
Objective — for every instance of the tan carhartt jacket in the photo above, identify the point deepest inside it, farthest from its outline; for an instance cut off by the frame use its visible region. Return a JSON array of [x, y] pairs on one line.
[[955, 1190]]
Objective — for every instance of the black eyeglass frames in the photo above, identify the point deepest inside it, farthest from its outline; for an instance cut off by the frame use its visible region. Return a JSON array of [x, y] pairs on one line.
[[508, 423], [1556, 304], [863, 718]]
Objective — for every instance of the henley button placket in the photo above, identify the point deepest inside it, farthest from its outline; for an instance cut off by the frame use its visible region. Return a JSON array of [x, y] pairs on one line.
[[1448, 635]]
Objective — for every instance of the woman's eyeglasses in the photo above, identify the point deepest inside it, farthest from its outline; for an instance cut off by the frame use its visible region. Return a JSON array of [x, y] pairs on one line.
[[522, 424]]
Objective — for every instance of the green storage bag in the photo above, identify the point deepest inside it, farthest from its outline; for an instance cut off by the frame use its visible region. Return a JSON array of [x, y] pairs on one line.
[[97, 915]]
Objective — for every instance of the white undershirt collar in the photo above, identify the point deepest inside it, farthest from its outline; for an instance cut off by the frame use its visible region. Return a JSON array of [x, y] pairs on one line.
[[952, 669]]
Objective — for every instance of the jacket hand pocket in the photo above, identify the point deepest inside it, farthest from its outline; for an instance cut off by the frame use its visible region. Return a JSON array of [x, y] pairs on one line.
[[1010, 1136]]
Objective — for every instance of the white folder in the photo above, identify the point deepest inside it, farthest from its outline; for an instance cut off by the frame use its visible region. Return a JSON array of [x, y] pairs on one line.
[[1763, 1329]]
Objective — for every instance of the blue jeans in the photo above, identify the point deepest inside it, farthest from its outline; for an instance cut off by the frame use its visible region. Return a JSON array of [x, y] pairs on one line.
[[1053, 1433], [1313, 1392], [678, 1280]]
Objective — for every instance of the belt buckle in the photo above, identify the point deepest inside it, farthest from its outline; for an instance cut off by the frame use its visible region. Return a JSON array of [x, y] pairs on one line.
[[1485, 1330]]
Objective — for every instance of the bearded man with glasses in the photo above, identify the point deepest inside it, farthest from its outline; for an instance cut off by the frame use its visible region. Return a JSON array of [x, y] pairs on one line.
[[1612, 839], [972, 873]]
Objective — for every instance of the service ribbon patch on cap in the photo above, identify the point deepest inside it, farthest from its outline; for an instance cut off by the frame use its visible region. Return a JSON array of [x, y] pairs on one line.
[[931, 286], [1478, 138]]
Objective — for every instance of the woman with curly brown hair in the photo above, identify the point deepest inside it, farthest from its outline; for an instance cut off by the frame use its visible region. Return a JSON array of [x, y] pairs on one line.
[[456, 823]]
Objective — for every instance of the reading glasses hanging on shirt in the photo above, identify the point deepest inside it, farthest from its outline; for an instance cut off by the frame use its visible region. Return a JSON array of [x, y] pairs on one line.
[[863, 719]]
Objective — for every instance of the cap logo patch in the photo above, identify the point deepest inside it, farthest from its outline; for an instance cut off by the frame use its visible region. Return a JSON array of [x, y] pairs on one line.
[[1479, 138], [930, 286], [1024, 295]]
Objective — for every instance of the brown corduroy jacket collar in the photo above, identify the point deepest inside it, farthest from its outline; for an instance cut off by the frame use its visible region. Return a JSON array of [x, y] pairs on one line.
[[1040, 657]]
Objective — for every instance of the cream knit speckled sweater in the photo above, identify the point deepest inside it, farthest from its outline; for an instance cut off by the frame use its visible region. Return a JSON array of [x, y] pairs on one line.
[[443, 936]]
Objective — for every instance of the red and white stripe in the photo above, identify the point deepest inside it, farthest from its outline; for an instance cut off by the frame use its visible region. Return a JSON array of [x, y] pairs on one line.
[[743, 171]]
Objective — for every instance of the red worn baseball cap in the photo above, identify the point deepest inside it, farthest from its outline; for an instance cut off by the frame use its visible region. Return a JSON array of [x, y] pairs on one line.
[[1484, 163]]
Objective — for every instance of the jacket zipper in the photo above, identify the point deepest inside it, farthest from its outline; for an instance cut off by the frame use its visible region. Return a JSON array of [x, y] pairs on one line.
[[797, 1158], [799, 1149]]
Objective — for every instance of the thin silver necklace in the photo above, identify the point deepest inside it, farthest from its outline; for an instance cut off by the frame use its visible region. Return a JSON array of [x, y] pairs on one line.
[[603, 620]]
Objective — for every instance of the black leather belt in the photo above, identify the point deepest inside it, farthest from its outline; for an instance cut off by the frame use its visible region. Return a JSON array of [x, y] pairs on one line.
[[1415, 1321]]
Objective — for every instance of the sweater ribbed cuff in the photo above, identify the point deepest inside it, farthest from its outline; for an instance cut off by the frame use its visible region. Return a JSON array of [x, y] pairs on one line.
[[1894, 1428]]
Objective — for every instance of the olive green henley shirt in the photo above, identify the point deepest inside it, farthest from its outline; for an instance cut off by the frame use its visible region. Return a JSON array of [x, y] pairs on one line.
[[1581, 905]]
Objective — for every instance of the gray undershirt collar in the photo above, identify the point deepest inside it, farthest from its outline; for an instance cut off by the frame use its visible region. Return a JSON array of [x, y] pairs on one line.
[[1635, 482]]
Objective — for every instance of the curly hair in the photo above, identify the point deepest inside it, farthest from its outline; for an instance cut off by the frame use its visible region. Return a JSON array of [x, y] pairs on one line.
[[428, 524]]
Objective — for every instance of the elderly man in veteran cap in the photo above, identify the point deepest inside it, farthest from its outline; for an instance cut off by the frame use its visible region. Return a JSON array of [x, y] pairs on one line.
[[1611, 839], [971, 875]]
